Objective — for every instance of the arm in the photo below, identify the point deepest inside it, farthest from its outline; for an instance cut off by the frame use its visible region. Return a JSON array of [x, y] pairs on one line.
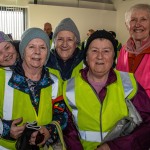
[[64, 117], [70, 132], [10, 130], [60, 115], [50, 131], [139, 138]]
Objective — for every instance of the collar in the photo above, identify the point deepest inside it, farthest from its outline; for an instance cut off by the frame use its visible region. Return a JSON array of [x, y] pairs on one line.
[[111, 77]]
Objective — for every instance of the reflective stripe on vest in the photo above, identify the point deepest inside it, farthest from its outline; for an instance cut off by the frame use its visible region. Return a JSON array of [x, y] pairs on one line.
[[92, 136], [126, 82], [54, 86], [8, 96], [3, 148], [1, 128], [70, 93]]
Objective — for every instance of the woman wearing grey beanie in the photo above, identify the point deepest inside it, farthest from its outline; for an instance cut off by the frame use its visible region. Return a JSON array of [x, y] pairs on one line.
[[66, 59], [30, 94]]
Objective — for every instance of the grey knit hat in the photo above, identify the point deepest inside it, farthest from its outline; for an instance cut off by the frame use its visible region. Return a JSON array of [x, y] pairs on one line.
[[67, 24], [31, 34], [4, 37]]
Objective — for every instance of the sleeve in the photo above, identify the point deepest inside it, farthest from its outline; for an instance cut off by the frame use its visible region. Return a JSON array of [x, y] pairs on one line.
[[60, 115], [71, 134], [5, 126], [139, 139], [1, 128]]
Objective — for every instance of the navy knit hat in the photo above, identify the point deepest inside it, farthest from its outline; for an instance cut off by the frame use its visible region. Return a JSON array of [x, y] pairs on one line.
[[4, 37], [105, 35], [67, 24], [31, 34]]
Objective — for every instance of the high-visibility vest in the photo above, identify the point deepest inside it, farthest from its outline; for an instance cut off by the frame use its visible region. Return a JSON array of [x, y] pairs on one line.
[[93, 118], [75, 71], [15, 104]]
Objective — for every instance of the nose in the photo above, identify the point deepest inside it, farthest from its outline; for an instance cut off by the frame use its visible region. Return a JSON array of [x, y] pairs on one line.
[[37, 50], [64, 43], [99, 55], [138, 23]]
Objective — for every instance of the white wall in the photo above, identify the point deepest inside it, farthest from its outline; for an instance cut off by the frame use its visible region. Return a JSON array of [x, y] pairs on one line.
[[84, 18]]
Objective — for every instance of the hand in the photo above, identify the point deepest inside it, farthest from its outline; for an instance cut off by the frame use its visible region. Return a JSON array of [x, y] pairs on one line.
[[103, 147], [42, 131], [16, 131]]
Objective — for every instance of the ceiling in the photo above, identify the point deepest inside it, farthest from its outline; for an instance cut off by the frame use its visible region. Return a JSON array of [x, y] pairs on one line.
[[93, 4]]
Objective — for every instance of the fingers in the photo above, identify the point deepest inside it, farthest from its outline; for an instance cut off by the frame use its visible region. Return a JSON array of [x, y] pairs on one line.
[[39, 137], [33, 138], [17, 121], [16, 131]]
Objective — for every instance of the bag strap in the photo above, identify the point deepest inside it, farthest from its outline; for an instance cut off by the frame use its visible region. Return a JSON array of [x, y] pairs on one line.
[[60, 133]]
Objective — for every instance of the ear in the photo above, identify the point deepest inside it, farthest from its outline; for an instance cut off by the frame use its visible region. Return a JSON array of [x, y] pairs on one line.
[[127, 25], [86, 58]]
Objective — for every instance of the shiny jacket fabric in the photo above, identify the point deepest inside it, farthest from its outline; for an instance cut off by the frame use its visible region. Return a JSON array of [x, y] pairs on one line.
[[142, 73]]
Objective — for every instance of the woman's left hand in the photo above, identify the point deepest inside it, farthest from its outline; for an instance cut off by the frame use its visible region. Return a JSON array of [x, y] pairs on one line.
[[103, 147], [34, 136]]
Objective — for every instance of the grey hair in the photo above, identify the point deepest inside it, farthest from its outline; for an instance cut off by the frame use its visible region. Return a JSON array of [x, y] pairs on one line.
[[145, 7]]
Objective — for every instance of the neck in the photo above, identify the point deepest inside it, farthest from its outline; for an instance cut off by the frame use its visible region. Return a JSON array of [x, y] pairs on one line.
[[140, 43], [98, 78], [32, 73]]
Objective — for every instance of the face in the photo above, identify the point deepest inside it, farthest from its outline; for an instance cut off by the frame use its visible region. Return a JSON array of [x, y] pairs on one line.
[[139, 25], [100, 57], [35, 54], [65, 44], [48, 28], [8, 54]]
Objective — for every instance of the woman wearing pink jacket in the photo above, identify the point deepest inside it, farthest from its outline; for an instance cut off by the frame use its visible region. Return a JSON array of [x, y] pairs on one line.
[[135, 54]]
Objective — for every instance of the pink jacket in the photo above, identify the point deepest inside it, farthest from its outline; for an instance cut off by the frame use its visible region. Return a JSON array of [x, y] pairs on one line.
[[142, 74]]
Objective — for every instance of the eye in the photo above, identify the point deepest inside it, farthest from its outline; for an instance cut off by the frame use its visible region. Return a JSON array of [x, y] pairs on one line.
[[7, 47], [31, 46], [59, 39], [106, 50], [94, 50], [143, 19], [43, 47], [70, 40], [133, 19]]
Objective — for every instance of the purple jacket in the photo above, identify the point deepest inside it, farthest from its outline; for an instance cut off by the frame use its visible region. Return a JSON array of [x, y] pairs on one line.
[[71, 135], [139, 139]]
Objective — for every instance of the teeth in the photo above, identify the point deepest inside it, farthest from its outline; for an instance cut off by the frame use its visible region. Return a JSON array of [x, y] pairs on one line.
[[99, 63], [137, 30], [37, 59]]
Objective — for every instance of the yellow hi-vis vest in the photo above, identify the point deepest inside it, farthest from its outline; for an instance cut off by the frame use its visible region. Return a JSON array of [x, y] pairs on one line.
[[15, 104], [93, 118], [76, 71]]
